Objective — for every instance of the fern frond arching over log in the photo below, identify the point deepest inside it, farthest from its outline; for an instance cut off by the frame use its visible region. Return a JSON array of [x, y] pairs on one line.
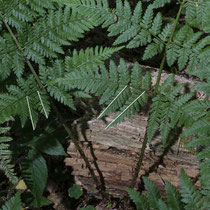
[[119, 88]]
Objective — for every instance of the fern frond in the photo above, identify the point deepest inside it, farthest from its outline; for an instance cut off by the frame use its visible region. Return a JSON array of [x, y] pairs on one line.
[[12, 60], [166, 109], [152, 193], [44, 38], [187, 47], [5, 156], [13, 203], [197, 14], [34, 170], [118, 87], [15, 101], [140, 202], [173, 197], [89, 58], [190, 195]]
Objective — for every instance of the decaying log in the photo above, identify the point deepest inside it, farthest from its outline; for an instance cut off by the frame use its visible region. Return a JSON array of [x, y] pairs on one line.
[[117, 150]]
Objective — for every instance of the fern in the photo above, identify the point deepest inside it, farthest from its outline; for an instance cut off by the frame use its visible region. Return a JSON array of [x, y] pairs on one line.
[[34, 170], [23, 100], [5, 156], [166, 109], [189, 197], [173, 197], [140, 202], [13, 203], [186, 46], [44, 38], [152, 193], [148, 30], [35, 35], [160, 3], [197, 14], [117, 87]]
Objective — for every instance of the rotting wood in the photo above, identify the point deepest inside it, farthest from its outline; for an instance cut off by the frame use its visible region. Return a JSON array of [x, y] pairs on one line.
[[117, 151]]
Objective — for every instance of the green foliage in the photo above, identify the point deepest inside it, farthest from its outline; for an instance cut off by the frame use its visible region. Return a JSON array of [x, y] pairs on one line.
[[189, 197], [44, 38], [14, 203], [139, 200], [35, 175], [89, 207], [75, 191], [25, 100], [38, 66], [5, 156], [119, 87], [166, 108], [140, 28], [197, 14]]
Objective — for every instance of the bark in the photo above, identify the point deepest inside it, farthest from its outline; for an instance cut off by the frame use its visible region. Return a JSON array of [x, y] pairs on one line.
[[116, 151]]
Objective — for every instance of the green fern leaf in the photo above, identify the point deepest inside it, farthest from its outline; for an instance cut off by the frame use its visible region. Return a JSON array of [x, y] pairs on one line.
[[35, 174], [190, 195], [140, 202], [23, 99], [166, 32], [156, 25], [5, 156], [90, 58], [152, 193], [172, 54], [137, 13], [150, 51], [166, 109], [160, 3], [13, 203], [147, 18], [173, 197], [183, 57], [162, 205]]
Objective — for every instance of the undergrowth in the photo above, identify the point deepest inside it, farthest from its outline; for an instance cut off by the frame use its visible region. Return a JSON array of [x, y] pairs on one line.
[[38, 76]]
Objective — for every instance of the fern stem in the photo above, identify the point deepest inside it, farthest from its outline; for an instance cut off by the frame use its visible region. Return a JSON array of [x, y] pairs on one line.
[[139, 163], [160, 71], [75, 141], [169, 41]]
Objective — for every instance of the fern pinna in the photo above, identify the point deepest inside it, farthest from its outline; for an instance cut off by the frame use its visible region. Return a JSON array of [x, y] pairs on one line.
[[6, 156]]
